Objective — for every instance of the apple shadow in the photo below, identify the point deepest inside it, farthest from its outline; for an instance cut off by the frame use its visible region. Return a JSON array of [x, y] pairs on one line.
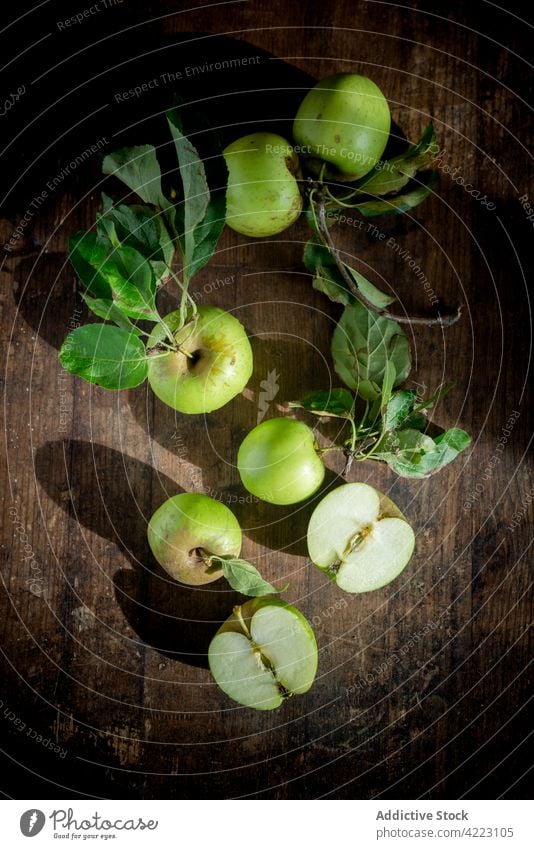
[[44, 293], [114, 495]]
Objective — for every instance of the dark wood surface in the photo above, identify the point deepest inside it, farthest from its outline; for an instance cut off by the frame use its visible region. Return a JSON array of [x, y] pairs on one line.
[[423, 686]]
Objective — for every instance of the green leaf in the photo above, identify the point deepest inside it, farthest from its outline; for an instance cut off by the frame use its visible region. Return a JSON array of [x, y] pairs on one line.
[[398, 409], [106, 233], [413, 454], [393, 174], [375, 296], [439, 393], [329, 280], [208, 232], [138, 168], [196, 196], [388, 382], [403, 202], [110, 311], [333, 402], [86, 255], [133, 283], [316, 255], [244, 577], [362, 344], [108, 356], [403, 450], [139, 227], [451, 443]]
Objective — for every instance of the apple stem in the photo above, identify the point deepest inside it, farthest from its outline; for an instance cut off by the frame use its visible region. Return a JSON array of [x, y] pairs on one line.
[[168, 332], [184, 289], [185, 353], [445, 320]]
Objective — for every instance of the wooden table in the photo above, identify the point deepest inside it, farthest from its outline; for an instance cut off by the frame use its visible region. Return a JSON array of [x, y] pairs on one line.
[[423, 686]]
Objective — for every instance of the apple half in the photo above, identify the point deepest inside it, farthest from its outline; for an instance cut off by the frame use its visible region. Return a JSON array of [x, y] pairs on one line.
[[360, 538], [264, 653]]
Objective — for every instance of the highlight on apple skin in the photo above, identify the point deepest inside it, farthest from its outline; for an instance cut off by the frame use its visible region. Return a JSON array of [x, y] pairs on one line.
[[344, 121], [187, 524], [212, 367], [264, 653], [278, 461], [263, 196], [360, 538]]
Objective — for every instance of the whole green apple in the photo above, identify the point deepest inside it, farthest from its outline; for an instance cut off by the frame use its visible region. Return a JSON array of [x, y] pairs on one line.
[[187, 526], [264, 653], [345, 121], [278, 461], [263, 196], [213, 365], [360, 538]]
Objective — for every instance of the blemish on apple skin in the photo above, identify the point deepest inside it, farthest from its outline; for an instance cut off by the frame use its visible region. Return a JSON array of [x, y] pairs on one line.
[[337, 138]]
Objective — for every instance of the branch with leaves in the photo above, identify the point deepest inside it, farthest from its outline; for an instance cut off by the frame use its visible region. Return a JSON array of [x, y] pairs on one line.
[[128, 256]]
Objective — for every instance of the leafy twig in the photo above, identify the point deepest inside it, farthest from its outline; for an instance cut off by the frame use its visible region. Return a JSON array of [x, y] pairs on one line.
[[445, 320]]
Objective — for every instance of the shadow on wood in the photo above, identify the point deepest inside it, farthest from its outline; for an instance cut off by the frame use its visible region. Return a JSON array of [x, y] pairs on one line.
[[114, 495]]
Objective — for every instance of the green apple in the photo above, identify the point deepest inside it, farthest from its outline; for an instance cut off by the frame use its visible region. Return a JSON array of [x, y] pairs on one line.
[[263, 196], [187, 526], [264, 653], [213, 365], [360, 538], [278, 461], [345, 121]]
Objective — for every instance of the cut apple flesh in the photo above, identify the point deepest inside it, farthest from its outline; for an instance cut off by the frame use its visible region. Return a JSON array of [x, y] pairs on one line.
[[359, 537], [274, 659]]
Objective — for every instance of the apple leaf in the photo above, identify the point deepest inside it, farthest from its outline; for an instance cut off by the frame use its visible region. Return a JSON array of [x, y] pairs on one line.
[[243, 576], [139, 227], [393, 174], [207, 233], [86, 255], [439, 393], [138, 168], [388, 382], [132, 282], [200, 216], [334, 402], [362, 345], [191, 210], [401, 203], [110, 311], [413, 454], [398, 409], [109, 356], [329, 280], [376, 297], [316, 255]]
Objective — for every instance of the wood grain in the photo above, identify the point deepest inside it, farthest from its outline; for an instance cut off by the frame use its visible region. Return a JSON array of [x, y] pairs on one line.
[[423, 686]]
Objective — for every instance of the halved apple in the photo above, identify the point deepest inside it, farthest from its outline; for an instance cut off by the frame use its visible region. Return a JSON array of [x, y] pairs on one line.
[[264, 653], [360, 538]]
